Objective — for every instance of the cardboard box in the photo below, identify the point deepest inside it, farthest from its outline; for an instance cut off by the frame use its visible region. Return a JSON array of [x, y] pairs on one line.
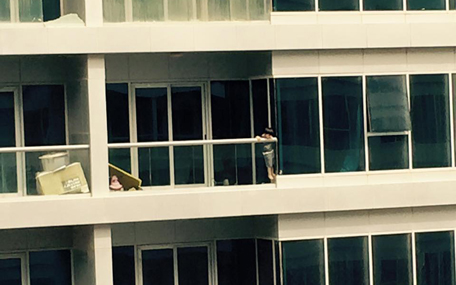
[[127, 180], [65, 180]]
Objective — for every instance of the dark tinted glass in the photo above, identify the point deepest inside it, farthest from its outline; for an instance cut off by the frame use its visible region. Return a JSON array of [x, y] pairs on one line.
[[193, 266], [388, 104], [44, 115], [10, 271], [154, 166], [236, 262], [339, 5], [392, 257], [425, 4], [435, 258], [430, 120], [120, 158], [348, 261], [117, 112], [123, 265], [261, 121], [298, 125], [294, 5], [50, 267], [233, 164], [152, 114], [8, 181], [51, 10], [157, 267], [343, 124], [303, 262], [383, 5], [388, 152], [265, 262]]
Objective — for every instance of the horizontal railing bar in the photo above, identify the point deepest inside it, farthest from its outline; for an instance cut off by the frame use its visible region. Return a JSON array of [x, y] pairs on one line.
[[188, 143], [43, 148], [385, 134]]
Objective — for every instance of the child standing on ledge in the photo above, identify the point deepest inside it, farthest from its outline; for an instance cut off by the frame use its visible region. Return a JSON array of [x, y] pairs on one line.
[[268, 152]]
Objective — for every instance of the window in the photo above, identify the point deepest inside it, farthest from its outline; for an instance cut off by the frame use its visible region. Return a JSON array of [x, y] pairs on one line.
[[339, 5], [236, 263], [348, 261], [384, 5], [29, 10], [265, 262], [294, 5], [185, 10], [392, 257], [452, 4], [425, 4], [303, 262], [298, 125], [12, 269], [123, 265], [343, 124], [50, 267], [429, 95], [435, 258]]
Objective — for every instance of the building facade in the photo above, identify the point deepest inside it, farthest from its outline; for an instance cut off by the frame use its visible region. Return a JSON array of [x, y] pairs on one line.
[[361, 95]]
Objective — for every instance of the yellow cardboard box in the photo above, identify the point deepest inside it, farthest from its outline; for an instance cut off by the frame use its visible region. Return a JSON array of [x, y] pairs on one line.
[[64, 180]]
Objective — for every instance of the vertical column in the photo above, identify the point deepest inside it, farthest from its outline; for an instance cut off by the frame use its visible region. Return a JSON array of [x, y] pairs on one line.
[[92, 255], [94, 13], [97, 125]]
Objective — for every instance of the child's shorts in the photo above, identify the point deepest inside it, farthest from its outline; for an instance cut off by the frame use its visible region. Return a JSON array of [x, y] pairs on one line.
[[269, 158]]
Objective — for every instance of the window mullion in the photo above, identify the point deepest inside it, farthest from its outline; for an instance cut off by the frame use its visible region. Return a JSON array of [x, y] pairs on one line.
[[20, 156], [133, 130], [410, 143], [451, 108], [366, 139]]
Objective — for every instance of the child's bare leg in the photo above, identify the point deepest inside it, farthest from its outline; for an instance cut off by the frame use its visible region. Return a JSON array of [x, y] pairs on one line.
[[270, 173]]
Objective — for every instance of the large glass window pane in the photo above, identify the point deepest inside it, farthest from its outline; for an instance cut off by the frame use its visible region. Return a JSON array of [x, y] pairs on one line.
[[239, 10], [435, 258], [303, 262], [10, 271], [30, 11], [157, 267], [8, 178], [339, 5], [452, 4], [343, 124], [117, 112], [388, 152], [383, 5], [148, 10], [123, 265], [180, 10], [294, 5], [425, 4], [114, 11], [236, 263], [392, 257], [388, 104], [5, 15], [154, 166], [257, 10], [44, 115], [50, 267], [193, 266], [265, 262], [430, 120], [233, 164], [51, 10], [298, 125], [348, 261], [218, 10]]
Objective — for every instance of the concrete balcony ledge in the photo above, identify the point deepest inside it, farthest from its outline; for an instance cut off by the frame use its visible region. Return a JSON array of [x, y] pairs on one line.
[[292, 196], [236, 36]]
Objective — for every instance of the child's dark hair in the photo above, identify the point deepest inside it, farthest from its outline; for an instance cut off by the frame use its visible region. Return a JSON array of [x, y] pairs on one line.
[[269, 131]]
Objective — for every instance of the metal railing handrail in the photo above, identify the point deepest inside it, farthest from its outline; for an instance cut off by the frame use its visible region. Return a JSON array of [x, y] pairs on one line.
[[189, 143], [43, 148]]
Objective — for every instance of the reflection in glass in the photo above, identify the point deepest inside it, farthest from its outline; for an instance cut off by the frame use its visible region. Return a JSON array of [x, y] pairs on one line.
[[265, 262], [425, 4], [435, 258], [117, 112], [180, 10], [343, 124], [339, 5], [154, 166], [298, 125], [294, 5], [152, 114], [388, 152], [193, 268], [218, 10], [8, 178], [232, 164], [257, 10], [236, 263], [157, 267], [123, 265], [114, 11], [388, 104], [5, 15], [239, 10], [384, 5], [188, 165], [10, 271], [148, 10], [120, 158], [429, 96], [348, 261], [392, 257], [452, 7], [50, 267], [303, 262], [30, 11]]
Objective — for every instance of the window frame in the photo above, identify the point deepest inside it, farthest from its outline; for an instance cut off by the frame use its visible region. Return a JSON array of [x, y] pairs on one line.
[[24, 264]]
